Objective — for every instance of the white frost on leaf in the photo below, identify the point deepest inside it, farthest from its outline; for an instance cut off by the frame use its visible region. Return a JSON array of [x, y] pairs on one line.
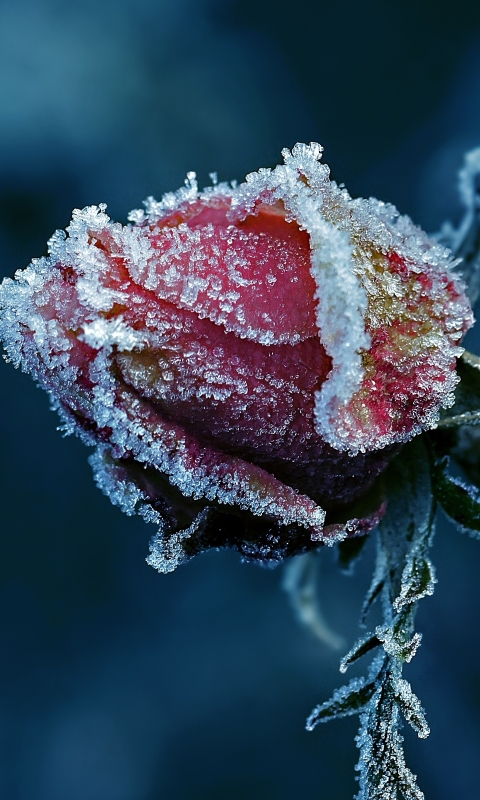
[[411, 707], [384, 774], [403, 576], [395, 645]]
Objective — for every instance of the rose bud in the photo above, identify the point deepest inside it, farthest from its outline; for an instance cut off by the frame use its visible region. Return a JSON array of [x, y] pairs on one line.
[[245, 359]]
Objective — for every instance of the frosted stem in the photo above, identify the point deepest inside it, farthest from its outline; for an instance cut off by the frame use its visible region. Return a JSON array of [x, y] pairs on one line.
[[404, 574]]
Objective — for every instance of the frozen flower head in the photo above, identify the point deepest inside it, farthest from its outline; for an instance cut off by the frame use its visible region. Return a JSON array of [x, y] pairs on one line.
[[243, 357]]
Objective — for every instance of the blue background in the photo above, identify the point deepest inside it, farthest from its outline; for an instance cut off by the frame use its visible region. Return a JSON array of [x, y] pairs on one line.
[[117, 683]]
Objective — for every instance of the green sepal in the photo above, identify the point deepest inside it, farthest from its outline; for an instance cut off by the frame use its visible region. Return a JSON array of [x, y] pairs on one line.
[[461, 502], [466, 409]]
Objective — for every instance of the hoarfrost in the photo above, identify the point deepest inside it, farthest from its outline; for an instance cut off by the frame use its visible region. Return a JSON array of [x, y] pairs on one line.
[[353, 294], [345, 702], [110, 324], [360, 292], [103, 333], [45, 353], [166, 547], [405, 535], [383, 771], [411, 707]]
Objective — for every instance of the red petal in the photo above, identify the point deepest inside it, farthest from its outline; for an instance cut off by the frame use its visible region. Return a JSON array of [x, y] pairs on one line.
[[253, 278]]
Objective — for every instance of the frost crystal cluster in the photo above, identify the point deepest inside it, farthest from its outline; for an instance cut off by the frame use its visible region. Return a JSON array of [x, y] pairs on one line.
[[246, 359]]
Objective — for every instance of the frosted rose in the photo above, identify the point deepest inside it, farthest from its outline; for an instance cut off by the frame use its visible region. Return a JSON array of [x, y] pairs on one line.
[[244, 358]]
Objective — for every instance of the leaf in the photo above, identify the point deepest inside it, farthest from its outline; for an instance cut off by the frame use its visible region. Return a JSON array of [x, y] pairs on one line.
[[396, 644], [411, 707], [465, 450], [384, 774], [418, 579], [347, 700], [403, 575], [466, 410], [359, 649], [461, 502]]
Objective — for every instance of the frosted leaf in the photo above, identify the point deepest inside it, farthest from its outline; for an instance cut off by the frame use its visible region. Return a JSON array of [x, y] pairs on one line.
[[384, 774], [359, 649], [414, 501], [411, 707], [459, 500], [407, 529], [396, 645], [403, 575], [345, 702], [418, 578], [405, 571]]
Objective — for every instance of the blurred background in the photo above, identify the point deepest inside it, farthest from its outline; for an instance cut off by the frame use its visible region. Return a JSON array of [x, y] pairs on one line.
[[118, 683]]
